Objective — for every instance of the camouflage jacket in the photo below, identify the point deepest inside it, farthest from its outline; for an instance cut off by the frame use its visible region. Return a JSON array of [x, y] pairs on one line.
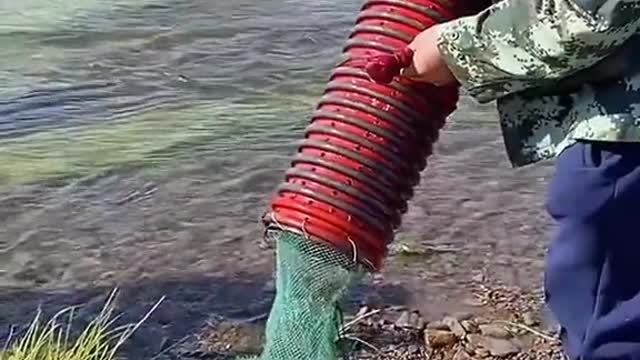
[[559, 70]]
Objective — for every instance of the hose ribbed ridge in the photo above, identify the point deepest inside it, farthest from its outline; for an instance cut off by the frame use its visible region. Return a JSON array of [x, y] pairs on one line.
[[367, 142]]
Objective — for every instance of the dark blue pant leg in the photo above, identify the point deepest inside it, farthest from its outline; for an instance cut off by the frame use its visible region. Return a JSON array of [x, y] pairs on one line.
[[592, 277]]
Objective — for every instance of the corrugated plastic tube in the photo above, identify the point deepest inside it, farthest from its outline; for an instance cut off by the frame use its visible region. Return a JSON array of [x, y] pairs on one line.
[[369, 137]]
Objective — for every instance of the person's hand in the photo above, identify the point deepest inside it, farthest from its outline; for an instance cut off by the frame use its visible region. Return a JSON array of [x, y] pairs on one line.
[[428, 65]]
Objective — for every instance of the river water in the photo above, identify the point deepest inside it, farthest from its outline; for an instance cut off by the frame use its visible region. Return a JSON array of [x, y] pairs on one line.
[[140, 141]]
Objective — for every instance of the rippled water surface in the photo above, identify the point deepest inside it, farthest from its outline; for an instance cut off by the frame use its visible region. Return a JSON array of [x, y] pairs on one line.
[[141, 139]]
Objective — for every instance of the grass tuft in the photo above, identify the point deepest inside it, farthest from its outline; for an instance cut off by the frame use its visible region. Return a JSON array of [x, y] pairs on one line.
[[99, 340]]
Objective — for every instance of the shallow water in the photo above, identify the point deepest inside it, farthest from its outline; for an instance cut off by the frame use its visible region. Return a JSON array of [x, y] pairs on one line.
[[140, 141]]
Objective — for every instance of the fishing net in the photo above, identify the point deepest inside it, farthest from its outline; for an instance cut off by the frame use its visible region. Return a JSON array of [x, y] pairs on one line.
[[312, 282]]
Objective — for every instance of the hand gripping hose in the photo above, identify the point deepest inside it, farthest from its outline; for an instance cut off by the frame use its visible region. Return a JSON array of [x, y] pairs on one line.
[[369, 137]]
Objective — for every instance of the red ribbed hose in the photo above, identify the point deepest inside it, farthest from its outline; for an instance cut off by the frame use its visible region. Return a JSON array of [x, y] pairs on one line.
[[369, 137]]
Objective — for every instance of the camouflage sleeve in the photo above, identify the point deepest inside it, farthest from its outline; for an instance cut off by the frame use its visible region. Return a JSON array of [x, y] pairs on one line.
[[516, 45]]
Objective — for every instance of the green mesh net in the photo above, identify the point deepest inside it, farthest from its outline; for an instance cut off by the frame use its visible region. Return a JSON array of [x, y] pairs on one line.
[[312, 281]]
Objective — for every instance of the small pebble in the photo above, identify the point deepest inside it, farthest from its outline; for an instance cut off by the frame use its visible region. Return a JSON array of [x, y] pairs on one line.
[[417, 322], [496, 347], [463, 316], [482, 353], [455, 326], [438, 325], [529, 319], [495, 331], [404, 320], [469, 326], [439, 338], [363, 310], [461, 355], [473, 302]]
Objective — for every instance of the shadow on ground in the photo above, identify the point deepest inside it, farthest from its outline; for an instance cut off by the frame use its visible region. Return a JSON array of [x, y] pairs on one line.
[[189, 303]]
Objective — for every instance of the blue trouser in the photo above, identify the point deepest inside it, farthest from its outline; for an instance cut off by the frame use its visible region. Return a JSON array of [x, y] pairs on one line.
[[592, 275]]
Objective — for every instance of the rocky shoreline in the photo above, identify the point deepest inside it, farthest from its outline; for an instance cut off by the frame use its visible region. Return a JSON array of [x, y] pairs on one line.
[[512, 326]]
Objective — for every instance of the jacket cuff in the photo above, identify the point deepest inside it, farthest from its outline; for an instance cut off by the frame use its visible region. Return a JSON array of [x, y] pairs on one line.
[[457, 44]]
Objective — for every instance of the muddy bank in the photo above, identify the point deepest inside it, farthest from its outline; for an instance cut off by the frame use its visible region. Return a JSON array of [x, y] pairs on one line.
[[508, 323], [192, 233]]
